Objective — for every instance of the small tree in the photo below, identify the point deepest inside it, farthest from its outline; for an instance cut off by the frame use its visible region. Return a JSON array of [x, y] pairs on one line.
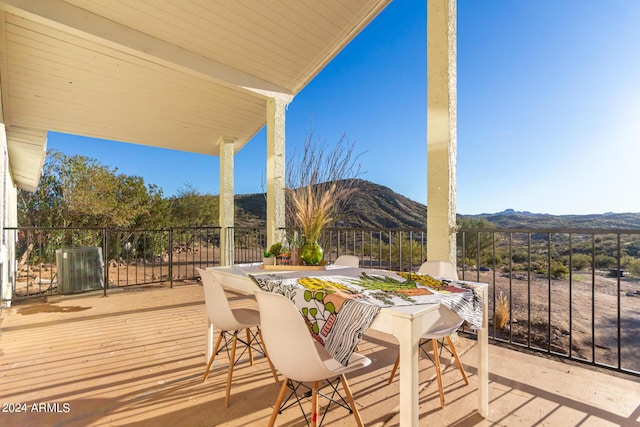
[[474, 241], [192, 208], [78, 191]]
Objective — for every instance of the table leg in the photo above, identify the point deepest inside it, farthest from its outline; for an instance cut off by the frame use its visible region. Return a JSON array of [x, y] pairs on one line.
[[483, 358], [409, 338]]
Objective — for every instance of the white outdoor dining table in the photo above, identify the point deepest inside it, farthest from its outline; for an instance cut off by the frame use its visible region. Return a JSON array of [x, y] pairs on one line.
[[406, 323]]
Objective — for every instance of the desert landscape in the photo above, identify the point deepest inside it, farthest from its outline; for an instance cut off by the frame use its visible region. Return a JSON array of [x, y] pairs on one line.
[[559, 315]]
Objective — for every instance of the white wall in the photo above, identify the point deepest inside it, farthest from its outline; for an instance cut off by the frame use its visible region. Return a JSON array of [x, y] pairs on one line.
[[8, 218]]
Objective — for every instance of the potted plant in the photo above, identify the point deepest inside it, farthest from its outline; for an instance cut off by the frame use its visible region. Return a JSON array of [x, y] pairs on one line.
[[275, 251], [267, 259], [313, 208]]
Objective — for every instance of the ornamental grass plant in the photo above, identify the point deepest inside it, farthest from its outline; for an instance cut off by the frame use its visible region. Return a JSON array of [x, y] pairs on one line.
[[502, 310], [313, 206], [319, 184]]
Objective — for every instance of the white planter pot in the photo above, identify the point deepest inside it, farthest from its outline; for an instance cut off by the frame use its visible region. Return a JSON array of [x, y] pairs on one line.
[[269, 261]]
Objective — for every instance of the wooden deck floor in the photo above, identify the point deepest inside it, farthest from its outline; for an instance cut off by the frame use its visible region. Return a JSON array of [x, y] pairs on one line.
[[136, 358]]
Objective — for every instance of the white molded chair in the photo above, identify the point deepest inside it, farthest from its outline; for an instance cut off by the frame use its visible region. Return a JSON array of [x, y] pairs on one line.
[[298, 356], [349, 260], [447, 324], [230, 321]]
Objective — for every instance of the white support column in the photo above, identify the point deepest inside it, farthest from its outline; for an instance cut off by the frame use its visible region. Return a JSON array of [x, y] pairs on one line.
[[275, 170], [441, 130], [227, 151], [7, 202]]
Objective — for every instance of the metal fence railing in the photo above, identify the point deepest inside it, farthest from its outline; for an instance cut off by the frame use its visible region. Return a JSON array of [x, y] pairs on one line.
[[128, 257], [573, 293]]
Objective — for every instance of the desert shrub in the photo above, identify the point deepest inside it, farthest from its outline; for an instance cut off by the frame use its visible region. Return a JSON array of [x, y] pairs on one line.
[[519, 267], [632, 266], [633, 249], [580, 261], [605, 261], [520, 257], [537, 259], [491, 260], [559, 270]]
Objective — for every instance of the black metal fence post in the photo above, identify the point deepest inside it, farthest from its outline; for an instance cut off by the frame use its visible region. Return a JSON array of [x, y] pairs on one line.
[[170, 257], [105, 251]]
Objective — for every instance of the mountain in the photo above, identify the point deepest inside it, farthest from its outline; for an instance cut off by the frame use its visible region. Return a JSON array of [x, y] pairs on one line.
[[376, 206], [370, 206], [516, 219]]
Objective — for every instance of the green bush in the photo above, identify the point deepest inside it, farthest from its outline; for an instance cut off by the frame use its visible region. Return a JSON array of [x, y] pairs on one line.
[[275, 249], [559, 270], [605, 261], [580, 261]]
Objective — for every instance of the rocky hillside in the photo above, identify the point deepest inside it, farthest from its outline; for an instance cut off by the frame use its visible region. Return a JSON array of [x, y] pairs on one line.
[[370, 206], [518, 219], [376, 206]]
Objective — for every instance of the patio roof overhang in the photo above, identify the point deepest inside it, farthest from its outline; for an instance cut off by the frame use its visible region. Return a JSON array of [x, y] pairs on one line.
[[177, 75]]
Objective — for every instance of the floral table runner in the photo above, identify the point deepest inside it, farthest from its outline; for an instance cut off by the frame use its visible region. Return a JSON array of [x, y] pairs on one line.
[[339, 306]]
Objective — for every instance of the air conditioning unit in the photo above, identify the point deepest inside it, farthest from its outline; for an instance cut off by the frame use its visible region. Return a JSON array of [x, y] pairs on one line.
[[79, 269]]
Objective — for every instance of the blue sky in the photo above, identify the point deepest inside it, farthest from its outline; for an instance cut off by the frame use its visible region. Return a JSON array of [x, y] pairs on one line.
[[548, 110]]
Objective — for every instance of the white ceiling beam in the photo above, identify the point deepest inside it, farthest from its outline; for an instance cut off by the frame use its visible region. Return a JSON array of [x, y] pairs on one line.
[[27, 149], [87, 25]]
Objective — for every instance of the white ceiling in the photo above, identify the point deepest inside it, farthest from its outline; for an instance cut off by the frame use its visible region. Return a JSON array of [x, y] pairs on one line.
[[164, 73]]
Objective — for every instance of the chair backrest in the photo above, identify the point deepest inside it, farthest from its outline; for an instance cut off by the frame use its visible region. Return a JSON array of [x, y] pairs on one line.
[[215, 300], [443, 269], [291, 348], [350, 260]]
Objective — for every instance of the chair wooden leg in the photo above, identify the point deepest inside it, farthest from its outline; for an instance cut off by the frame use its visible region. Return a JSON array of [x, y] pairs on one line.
[[455, 355], [276, 408], [264, 347], [249, 347], [314, 404], [436, 360], [352, 403], [213, 356], [395, 368], [232, 359]]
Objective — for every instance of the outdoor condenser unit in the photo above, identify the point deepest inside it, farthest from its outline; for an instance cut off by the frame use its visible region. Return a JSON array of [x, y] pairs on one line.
[[79, 269]]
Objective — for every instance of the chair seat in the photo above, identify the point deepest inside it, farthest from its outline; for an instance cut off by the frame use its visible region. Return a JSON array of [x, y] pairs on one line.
[[246, 317], [356, 361], [443, 329]]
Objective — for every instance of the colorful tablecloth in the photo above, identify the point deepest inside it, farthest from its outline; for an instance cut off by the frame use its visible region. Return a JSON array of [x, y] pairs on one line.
[[339, 305]]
